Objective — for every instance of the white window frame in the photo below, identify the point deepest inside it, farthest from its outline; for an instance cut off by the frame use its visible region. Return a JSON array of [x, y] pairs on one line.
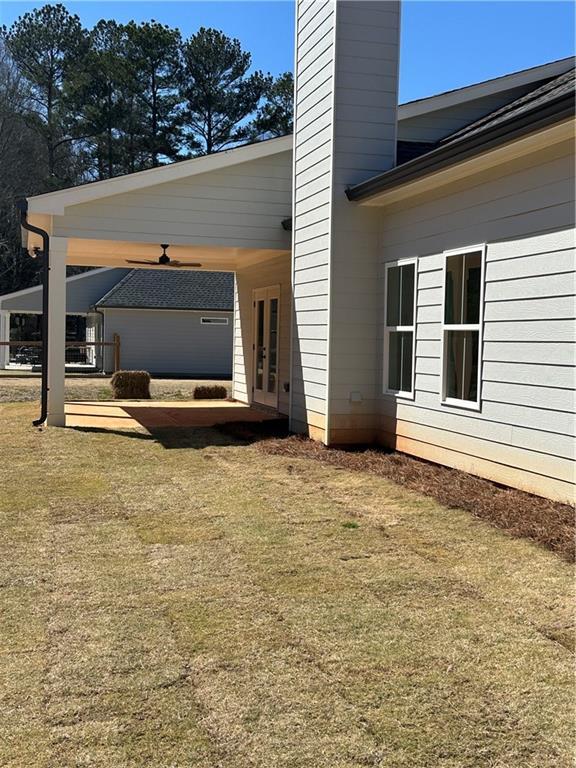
[[213, 321], [479, 326], [388, 329]]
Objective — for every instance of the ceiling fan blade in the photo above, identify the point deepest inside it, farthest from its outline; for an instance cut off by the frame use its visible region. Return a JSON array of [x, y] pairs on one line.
[[145, 261], [191, 264]]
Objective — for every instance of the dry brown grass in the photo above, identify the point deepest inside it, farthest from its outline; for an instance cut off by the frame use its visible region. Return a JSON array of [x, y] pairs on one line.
[[27, 388], [210, 606], [549, 523]]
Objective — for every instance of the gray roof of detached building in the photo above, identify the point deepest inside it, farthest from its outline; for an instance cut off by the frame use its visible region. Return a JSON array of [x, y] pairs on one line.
[[172, 288]]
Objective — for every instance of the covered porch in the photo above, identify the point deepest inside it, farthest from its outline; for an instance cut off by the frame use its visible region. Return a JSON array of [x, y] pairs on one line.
[[218, 213], [151, 416]]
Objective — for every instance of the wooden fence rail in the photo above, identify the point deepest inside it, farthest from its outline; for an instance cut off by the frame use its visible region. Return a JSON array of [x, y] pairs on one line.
[[115, 344]]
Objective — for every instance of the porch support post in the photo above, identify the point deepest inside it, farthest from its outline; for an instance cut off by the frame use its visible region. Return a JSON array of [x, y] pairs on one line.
[[57, 332], [4, 336]]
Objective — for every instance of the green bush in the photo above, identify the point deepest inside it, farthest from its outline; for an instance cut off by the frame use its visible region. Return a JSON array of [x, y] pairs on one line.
[[131, 385], [213, 392]]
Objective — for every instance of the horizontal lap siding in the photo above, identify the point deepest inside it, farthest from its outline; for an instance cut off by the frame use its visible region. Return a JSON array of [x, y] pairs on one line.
[[311, 213], [171, 342], [365, 143], [526, 423], [242, 206]]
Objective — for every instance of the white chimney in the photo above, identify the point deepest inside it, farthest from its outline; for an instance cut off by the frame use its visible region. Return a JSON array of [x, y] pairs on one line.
[[346, 103]]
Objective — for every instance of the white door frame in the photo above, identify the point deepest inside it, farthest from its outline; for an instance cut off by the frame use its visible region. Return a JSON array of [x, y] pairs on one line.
[[261, 357]]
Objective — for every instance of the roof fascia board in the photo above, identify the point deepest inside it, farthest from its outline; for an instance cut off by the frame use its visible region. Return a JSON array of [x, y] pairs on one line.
[[451, 154], [487, 88], [71, 279], [483, 161], [56, 202]]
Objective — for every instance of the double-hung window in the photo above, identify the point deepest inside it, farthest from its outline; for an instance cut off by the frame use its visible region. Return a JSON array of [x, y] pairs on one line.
[[399, 328], [462, 327]]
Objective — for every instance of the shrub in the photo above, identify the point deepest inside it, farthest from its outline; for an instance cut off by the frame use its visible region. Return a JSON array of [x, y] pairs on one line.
[[213, 392], [131, 385]]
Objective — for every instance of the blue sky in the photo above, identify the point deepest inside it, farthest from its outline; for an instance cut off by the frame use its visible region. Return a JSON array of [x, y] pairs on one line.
[[444, 44]]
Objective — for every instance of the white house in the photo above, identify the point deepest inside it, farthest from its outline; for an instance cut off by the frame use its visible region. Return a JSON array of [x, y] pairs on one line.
[[172, 322], [404, 274]]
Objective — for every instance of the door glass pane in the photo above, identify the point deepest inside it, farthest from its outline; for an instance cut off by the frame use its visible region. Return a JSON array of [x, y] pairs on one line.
[[259, 345], [393, 296], [462, 365], [400, 361], [273, 347], [407, 294]]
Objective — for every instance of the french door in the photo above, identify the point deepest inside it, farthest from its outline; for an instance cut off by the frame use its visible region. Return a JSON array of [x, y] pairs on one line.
[[266, 309]]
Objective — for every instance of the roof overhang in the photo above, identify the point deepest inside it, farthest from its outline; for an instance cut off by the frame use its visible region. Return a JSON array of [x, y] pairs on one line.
[[55, 203], [550, 124], [487, 88]]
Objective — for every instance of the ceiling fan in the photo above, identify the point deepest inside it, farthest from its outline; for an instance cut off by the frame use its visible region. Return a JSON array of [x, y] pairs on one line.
[[164, 260]]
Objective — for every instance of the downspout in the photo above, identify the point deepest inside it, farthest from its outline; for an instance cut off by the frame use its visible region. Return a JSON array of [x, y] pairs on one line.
[[22, 206]]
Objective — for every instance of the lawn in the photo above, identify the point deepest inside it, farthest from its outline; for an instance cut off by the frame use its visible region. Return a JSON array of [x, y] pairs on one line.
[[210, 606], [26, 388]]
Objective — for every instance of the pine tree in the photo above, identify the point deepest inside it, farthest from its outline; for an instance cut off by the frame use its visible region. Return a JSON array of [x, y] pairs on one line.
[[276, 116], [22, 170], [99, 96], [47, 45], [154, 52], [220, 94]]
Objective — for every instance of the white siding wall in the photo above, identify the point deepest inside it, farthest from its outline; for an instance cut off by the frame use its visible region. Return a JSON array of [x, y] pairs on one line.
[[315, 36], [524, 433], [242, 206], [365, 144], [262, 275], [345, 132], [170, 342]]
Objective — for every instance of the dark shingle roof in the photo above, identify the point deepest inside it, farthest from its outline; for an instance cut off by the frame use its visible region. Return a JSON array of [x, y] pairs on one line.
[[543, 106], [172, 289], [554, 89]]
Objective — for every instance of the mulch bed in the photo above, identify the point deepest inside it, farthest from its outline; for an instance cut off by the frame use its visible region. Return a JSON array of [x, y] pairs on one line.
[[520, 514]]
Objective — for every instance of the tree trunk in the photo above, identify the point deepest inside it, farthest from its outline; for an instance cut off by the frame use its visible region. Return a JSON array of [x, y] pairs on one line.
[[109, 134], [154, 121]]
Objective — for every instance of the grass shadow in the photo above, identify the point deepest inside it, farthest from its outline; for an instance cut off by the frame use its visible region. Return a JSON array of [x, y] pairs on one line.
[[120, 432]]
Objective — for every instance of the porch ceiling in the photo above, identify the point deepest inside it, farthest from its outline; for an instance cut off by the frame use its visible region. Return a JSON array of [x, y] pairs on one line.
[[115, 253]]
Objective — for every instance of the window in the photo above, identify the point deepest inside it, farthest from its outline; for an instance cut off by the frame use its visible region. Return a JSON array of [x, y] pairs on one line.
[[214, 320], [399, 336], [462, 328]]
